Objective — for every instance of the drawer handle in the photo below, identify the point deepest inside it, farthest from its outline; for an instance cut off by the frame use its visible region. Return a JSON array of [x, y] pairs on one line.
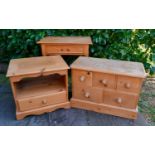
[[119, 100], [82, 78], [68, 49], [127, 85], [44, 102], [104, 82], [61, 49], [87, 94]]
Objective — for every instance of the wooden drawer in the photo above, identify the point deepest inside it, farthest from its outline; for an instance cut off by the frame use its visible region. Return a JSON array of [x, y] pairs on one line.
[[41, 101], [104, 80], [81, 78], [64, 49], [120, 99], [128, 84], [89, 94]]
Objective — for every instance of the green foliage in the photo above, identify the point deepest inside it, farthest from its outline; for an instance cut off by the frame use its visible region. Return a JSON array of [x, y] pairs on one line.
[[132, 45]]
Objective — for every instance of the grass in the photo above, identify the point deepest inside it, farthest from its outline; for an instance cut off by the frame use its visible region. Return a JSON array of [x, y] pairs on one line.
[[147, 101]]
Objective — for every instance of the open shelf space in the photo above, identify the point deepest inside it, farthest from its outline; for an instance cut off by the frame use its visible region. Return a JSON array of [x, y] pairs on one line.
[[30, 87]]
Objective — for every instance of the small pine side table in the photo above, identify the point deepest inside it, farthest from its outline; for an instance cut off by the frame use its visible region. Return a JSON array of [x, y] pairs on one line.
[[65, 45], [39, 84]]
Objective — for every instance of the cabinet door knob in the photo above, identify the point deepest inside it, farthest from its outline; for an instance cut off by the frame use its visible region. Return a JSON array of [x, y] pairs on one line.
[[127, 85], [82, 78], [44, 102], [119, 100], [104, 82], [87, 94]]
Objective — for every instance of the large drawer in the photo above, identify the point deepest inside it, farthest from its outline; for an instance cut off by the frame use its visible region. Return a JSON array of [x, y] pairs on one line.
[[128, 84], [81, 78], [41, 101], [89, 94], [120, 99], [64, 49], [103, 80]]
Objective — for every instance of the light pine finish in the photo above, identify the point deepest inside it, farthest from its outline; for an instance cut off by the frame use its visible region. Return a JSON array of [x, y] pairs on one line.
[[107, 86], [65, 45], [39, 84]]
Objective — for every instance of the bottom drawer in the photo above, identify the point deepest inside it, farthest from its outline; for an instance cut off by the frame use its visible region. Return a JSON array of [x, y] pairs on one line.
[[120, 99], [41, 101], [89, 94]]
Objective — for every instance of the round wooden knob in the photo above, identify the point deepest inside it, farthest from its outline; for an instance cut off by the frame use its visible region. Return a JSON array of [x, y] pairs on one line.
[[127, 85], [61, 49], [44, 102], [82, 78], [87, 94], [68, 49], [104, 82], [119, 100]]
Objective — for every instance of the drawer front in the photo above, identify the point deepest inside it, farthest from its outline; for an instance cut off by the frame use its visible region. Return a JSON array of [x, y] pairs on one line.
[[104, 80], [120, 99], [81, 78], [37, 102], [89, 94], [128, 84], [64, 49]]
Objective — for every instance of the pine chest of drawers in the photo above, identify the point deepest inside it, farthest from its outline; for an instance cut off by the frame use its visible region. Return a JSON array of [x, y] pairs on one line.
[[65, 45], [107, 86], [39, 84]]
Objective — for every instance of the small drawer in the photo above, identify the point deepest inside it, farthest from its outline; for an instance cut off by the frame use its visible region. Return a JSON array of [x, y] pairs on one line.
[[103, 80], [120, 99], [41, 101], [128, 84], [64, 49], [81, 78], [89, 94]]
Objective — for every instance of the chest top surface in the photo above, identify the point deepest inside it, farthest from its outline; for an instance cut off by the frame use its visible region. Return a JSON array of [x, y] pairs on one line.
[[26, 66], [128, 68], [65, 40]]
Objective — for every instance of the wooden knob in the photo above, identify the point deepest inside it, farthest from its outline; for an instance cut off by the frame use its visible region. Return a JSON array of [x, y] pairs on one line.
[[127, 85], [68, 49], [87, 94], [44, 102], [61, 49], [119, 100], [104, 82], [82, 78]]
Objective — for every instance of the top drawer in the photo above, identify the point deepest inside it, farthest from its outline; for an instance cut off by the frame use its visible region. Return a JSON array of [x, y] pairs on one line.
[[64, 49], [81, 78], [129, 84]]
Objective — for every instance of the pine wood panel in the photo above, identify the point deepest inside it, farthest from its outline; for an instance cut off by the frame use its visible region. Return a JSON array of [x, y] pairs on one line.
[[106, 109], [118, 67], [66, 40], [34, 65]]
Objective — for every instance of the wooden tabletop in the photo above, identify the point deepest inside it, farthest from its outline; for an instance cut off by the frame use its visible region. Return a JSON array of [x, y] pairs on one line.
[[128, 68], [26, 66], [66, 40]]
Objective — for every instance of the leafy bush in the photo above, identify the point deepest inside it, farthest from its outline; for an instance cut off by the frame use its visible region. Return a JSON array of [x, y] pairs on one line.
[[132, 45]]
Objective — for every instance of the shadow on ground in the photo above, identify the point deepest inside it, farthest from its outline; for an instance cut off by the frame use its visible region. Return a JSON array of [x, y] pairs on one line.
[[61, 117]]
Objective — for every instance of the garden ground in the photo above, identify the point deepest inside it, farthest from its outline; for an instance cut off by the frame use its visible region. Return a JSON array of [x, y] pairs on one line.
[[76, 116]]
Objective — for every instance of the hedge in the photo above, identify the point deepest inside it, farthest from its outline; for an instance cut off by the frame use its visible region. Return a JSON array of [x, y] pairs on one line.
[[131, 45]]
